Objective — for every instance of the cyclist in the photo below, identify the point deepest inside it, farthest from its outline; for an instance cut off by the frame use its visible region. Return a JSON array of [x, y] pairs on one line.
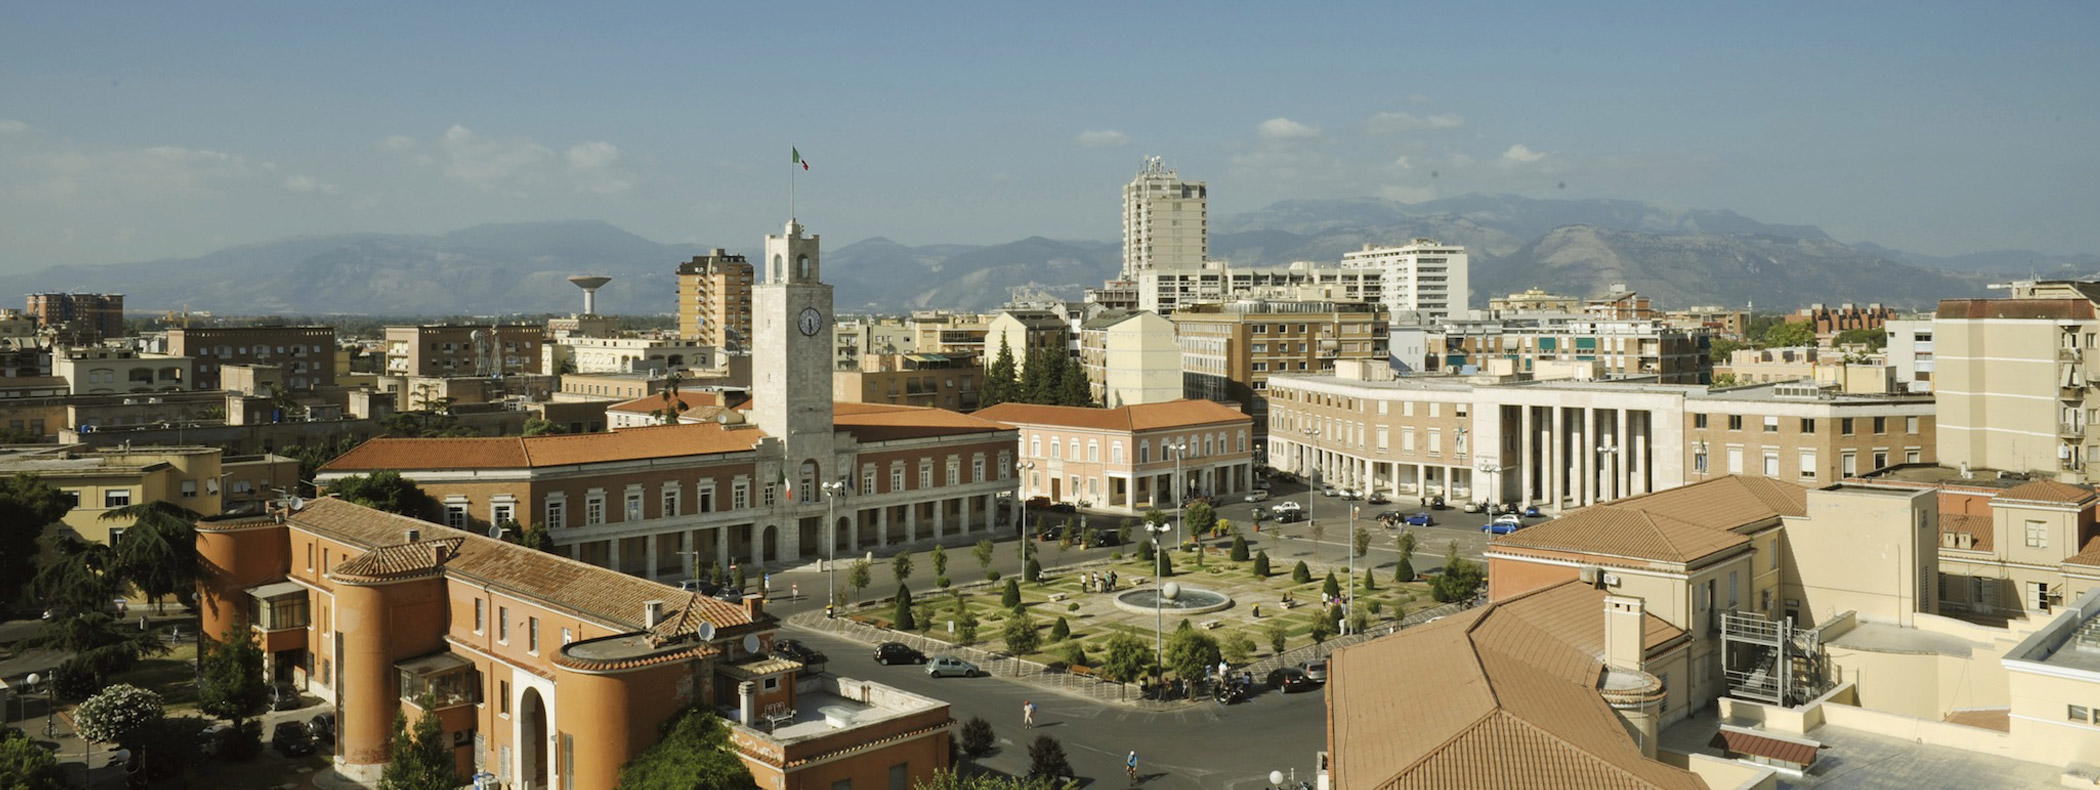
[[1132, 765]]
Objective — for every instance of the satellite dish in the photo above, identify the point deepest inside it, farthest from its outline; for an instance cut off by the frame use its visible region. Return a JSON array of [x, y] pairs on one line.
[[751, 643], [496, 531], [706, 631], [298, 503]]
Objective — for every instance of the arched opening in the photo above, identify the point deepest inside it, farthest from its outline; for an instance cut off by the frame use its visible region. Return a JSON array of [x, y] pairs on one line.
[[777, 271], [802, 267], [769, 544], [532, 741], [842, 535]]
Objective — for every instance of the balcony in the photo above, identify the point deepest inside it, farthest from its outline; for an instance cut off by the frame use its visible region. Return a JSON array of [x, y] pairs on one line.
[[2069, 430]]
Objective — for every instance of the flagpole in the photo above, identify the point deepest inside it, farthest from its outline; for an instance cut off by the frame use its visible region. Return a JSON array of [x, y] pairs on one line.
[[791, 185]]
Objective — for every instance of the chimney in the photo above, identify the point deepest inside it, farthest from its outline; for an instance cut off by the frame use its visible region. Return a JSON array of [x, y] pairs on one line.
[[1624, 631], [414, 535], [755, 604], [652, 613], [747, 704], [438, 555]]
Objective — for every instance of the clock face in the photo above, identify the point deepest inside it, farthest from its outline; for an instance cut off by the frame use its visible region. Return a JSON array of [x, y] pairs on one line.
[[811, 321]]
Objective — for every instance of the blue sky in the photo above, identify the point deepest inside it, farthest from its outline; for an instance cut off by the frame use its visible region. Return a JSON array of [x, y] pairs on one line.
[[145, 130]]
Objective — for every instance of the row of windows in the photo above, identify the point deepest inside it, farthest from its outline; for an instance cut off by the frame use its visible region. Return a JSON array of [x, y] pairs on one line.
[[1847, 426], [260, 351], [1208, 444], [1848, 462]]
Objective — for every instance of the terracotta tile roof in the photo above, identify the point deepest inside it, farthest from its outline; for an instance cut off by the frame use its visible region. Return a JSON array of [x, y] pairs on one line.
[[877, 422], [2089, 557], [513, 452], [1679, 525], [1187, 412], [1573, 613], [1738, 741], [2049, 491], [600, 594], [2015, 308], [1976, 526], [399, 561], [1482, 699]]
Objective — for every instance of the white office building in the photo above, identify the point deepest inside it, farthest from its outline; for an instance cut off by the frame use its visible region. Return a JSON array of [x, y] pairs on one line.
[[1421, 277], [1165, 222]]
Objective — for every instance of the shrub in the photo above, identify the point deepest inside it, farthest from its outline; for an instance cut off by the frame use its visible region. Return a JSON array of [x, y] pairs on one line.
[[114, 713], [1144, 550], [1261, 565], [1060, 629], [977, 736], [1376, 606], [1021, 636], [1301, 574], [1046, 759], [1239, 549], [991, 576], [1237, 647], [1166, 566], [1331, 588], [1405, 571], [1072, 607], [1370, 580], [1011, 596], [1115, 556], [1321, 630], [1359, 621], [1035, 571], [966, 628], [1073, 653], [904, 619], [941, 582]]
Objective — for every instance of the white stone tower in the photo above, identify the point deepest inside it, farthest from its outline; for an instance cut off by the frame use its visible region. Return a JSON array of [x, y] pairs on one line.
[[791, 357]]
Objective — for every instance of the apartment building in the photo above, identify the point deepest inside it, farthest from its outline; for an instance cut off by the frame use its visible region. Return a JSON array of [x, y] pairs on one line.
[[948, 334], [2014, 379], [307, 353], [714, 299], [1620, 304], [1533, 300], [78, 318], [1126, 459], [583, 354], [1717, 321], [1166, 225], [856, 337], [1230, 350], [1910, 352], [929, 380], [543, 671], [1828, 321], [1804, 433], [1422, 278], [445, 350], [104, 370], [1607, 348], [97, 481], [1130, 357], [1026, 332]]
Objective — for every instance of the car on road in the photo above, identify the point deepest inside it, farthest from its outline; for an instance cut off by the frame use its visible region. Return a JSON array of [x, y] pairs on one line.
[[213, 738], [1103, 537], [889, 653], [1391, 515], [1288, 504], [1351, 493], [1503, 525], [1471, 507], [1288, 516], [1533, 512], [1316, 670], [944, 666], [284, 697], [1421, 519], [1290, 679], [795, 650], [1258, 495], [322, 727], [290, 739], [1436, 503], [1377, 499], [1330, 491], [701, 586]]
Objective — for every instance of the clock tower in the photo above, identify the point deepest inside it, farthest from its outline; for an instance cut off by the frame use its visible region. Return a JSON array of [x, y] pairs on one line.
[[791, 352]]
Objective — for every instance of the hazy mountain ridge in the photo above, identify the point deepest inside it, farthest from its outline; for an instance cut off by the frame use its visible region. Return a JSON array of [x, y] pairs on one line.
[[1577, 247]]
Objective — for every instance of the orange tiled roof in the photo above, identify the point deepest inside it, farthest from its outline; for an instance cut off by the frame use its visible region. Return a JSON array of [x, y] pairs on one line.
[[1572, 612], [877, 422], [1751, 743], [1976, 526], [1679, 525], [2049, 491], [1184, 413], [2089, 557], [399, 561], [601, 594], [515, 452], [1482, 699]]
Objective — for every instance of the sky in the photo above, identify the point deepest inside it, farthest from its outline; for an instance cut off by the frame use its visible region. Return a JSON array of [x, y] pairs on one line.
[[140, 131]]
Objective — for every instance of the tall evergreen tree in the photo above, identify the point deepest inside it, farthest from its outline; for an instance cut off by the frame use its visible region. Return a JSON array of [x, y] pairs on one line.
[[1037, 382], [1074, 389], [1002, 378], [158, 553]]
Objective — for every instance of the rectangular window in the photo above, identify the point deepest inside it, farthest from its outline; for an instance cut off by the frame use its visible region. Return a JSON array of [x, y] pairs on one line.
[[896, 478], [189, 488], [634, 506], [1911, 456], [926, 474], [740, 496], [1808, 425], [594, 510], [1881, 459], [1735, 460], [114, 499], [503, 624], [767, 495], [1848, 464], [1698, 420], [1881, 425], [1845, 426], [557, 514], [502, 512], [456, 516], [1808, 464], [532, 634], [1771, 463], [900, 776], [954, 472], [977, 466], [670, 500], [1735, 422], [1771, 423], [2079, 713], [2037, 534], [867, 480], [503, 697], [481, 615], [1910, 425], [309, 556]]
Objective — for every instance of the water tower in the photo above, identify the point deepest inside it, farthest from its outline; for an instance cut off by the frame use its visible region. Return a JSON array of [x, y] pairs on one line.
[[590, 283]]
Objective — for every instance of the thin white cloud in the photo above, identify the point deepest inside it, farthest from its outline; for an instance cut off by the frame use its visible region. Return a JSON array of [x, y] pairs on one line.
[[399, 142], [1519, 154], [1403, 164], [492, 163], [1103, 138], [1285, 129], [599, 167], [12, 127], [1397, 122], [132, 174], [304, 184]]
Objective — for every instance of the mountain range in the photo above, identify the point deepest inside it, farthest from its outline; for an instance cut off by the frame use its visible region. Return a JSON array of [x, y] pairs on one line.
[[1576, 247]]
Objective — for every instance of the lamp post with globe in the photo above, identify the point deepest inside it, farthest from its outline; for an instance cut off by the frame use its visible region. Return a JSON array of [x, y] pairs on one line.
[[1159, 597], [832, 492]]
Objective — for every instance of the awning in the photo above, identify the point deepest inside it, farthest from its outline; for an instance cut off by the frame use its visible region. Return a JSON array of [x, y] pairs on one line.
[[277, 590], [432, 664], [926, 357]]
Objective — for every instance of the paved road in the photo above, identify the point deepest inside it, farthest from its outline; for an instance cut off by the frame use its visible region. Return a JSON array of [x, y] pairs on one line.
[[1199, 746]]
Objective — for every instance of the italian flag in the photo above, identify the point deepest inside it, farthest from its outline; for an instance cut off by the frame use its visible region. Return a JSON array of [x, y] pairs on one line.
[[798, 157], [786, 487]]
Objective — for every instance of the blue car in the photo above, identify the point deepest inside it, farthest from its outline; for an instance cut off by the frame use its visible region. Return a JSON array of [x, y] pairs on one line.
[[1533, 512], [1503, 525], [1421, 519]]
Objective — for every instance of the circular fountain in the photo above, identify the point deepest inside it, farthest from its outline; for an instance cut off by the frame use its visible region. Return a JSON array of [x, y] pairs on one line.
[[1172, 597]]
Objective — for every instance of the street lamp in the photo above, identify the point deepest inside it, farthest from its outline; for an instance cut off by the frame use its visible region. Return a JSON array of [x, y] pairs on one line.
[[1159, 592], [832, 492], [1021, 507], [1607, 450], [1312, 475], [1180, 448]]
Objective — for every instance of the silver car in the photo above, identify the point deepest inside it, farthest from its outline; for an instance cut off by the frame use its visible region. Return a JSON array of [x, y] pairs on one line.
[[943, 666]]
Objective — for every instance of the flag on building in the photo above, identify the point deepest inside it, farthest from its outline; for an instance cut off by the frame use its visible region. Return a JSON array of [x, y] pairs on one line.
[[787, 489], [798, 157]]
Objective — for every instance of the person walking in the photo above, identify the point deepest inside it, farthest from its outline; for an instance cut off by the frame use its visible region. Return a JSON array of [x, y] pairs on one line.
[[1028, 714]]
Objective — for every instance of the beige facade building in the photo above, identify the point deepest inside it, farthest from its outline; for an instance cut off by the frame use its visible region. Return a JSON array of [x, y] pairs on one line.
[[1127, 459], [1422, 278], [307, 353], [1230, 350], [1166, 221], [856, 337], [1025, 333], [1567, 347], [436, 350], [714, 299], [2015, 380], [96, 481], [104, 370], [949, 334], [1130, 357], [930, 380], [1533, 300], [1799, 432]]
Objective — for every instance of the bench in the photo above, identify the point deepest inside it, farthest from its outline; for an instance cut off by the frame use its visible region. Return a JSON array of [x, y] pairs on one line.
[[1057, 597], [1080, 669], [1211, 624], [1287, 605], [1136, 581]]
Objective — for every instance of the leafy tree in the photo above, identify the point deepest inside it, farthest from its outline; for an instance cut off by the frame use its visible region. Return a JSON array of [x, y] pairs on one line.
[[1237, 647], [535, 537], [900, 566], [158, 553], [27, 504], [1073, 654], [385, 490], [539, 426], [1126, 660], [230, 681], [983, 552], [1721, 348], [421, 758], [966, 627], [1199, 518], [114, 713], [1279, 635], [904, 620], [1046, 759], [1239, 549], [1873, 339], [1010, 597], [1460, 580], [1020, 634], [1788, 334], [1191, 653], [1321, 629], [1261, 565], [1359, 621], [1060, 630], [1300, 574], [693, 753], [940, 560], [81, 577], [859, 576], [26, 765], [977, 738], [1329, 587], [1361, 541]]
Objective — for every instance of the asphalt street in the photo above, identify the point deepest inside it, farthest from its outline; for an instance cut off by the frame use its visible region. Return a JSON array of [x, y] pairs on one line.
[[1202, 745]]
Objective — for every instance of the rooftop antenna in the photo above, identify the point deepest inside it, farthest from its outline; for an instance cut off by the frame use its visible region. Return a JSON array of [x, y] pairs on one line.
[[590, 283]]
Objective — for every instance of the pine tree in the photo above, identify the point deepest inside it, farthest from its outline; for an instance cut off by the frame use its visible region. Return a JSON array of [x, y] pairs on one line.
[[1001, 380], [904, 619], [1075, 390], [1036, 383]]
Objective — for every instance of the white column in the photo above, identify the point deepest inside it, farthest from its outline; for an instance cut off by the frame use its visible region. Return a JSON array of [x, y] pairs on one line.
[[1557, 463], [940, 517], [722, 548], [613, 552], [1588, 491], [649, 556], [1620, 483], [882, 527], [1525, 455]]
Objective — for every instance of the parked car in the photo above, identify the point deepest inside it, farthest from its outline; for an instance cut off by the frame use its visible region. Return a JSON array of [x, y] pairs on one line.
[[1421, 519], [889, 653], [792, 649], [1471, 507], [1288, 516], [701, 586], [290, 739], [1316, 670], [211, 739], [284, 697], [1391, 515], [1258, 495], [1049, 532], [1104, 537], [322, 727], [1377, 499], [1288, 504], [1351, 493], [1290, 679], [1436, 503], [1533, 512], [1330, 491], [1503, 525], [944, 666]]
